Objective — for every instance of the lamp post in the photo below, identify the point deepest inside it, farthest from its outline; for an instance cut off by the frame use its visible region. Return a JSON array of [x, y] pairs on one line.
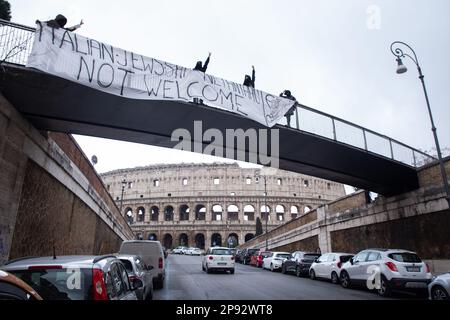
[[401, 68], [267, 211], [124, 183]]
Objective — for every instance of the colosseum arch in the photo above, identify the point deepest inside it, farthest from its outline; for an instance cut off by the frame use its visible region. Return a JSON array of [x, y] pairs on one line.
[[249, 236], [152, 236], [168, 241], [200, 212], [307, 209], [200, 240], [265, 213], [232, 240], [217, 212], [183, 240], [216, 240], [168, 213], [184, 212], [129, 215], [233, 212], [249, 213], [279, 209], [140, 214], [294, 212], [154, 213]]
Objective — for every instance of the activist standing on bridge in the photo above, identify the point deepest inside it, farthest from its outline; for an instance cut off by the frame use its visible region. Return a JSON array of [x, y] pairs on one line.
[[287, 94], [199, 66], [60, 21], [250, 82]]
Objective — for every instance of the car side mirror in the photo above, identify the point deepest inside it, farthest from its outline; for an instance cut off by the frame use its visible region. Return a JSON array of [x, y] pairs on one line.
[[352, 261], [137, 283]]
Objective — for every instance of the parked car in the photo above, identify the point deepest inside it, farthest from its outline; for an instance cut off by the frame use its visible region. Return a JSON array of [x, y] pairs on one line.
[[257, 259], [328, 266], [193, 251], [12, 288], [218, 258], [299, 263], [76, 277], [247, 253], [398, 269], [274, 260], [178, 250], [152, 255], [137, 269], [439, 288]]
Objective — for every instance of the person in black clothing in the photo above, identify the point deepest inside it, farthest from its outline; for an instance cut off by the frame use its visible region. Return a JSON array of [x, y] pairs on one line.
[[287, 94], [250, 82], [203, 68], [60, 21]]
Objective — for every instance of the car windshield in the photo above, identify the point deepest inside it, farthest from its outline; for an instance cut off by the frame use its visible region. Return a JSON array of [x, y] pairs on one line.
[[405, 257], [221, 252], [265, 254], [58, 284], [283, 255]]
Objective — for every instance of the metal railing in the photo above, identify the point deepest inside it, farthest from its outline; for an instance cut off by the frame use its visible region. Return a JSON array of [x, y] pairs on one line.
[[16, 43]]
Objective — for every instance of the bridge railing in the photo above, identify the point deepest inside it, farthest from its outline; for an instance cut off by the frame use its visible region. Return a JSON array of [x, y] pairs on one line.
[[340, 130], [16, 43]]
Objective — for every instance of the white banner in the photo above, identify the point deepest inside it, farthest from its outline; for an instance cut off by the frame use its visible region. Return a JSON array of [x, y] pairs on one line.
[[120, 72]]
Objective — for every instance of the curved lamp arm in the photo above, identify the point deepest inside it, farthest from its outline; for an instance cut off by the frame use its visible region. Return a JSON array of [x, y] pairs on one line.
[[398, 52]]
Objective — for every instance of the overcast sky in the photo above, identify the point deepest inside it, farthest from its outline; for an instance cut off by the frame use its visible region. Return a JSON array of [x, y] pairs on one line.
[[333, 55]]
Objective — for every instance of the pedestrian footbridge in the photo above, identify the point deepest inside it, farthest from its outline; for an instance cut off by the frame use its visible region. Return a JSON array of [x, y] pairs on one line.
[[316, 143]]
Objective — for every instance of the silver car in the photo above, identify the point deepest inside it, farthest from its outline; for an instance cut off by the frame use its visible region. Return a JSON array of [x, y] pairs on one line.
[[137, 269], [75, 277], [439, 288]]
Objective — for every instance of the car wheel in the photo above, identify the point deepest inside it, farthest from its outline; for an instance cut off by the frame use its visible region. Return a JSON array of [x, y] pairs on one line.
[[334, 278], [298, 273], [283, 269], [345, 279], [203, 267], [439, 293], [208, 270], [385, 289], [231, 271], [312, 274], [271, 267]]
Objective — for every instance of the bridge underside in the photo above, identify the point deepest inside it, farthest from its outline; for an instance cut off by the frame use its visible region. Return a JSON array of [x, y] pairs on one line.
[[55, 104]]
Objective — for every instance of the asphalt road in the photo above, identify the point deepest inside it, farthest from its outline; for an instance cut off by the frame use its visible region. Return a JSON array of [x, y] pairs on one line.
[[185, 280]]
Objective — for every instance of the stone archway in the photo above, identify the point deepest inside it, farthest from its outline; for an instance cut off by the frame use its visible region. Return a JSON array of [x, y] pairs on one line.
[[168, 213], [249, 213], [140, 214], [216, 240], [152, 236], [168, 241], [249, 236], [184, 212], [200, 212], [183, 240], [233, 240], [154, 213], [200, 240], [129, 215]]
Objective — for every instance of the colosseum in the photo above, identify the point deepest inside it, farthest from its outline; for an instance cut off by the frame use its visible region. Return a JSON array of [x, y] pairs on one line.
[[204, 205]]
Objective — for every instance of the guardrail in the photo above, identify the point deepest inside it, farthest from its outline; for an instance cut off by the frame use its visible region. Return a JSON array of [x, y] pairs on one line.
[[16, 43]]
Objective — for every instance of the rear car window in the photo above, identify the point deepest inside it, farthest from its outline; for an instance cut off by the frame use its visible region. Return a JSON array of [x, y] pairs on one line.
[[221, 252], [58, 284], [266, 254], [311, 256], [283, 256], [127, 264], [345, 258], [405, 257]]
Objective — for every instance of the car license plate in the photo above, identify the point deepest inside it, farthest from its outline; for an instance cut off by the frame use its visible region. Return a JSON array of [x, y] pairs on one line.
[[222, 263], [413, 269]]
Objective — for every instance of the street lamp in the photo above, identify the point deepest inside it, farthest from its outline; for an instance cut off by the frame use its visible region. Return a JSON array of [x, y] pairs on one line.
[[124, 184], [401, 68], [265, 209]]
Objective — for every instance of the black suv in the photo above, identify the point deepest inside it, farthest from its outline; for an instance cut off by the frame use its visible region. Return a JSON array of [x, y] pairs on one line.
[[76, 277], [300, 263]]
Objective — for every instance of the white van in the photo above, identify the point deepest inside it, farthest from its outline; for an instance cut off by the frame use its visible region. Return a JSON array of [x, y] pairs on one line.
[[152, 254]]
